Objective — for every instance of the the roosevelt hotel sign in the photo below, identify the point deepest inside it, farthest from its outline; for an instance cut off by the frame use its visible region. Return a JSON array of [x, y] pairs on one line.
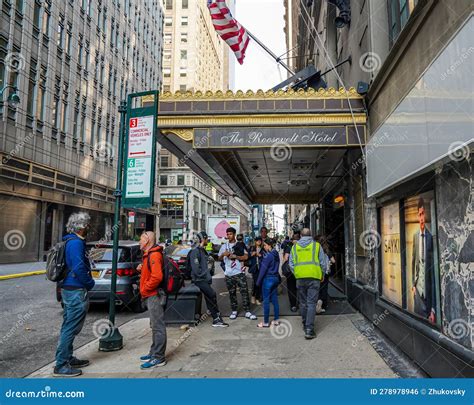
[[326, 136]]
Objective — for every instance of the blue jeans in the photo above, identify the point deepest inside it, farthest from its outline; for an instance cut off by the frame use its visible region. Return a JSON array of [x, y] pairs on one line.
[[270, 293], [76, 304]]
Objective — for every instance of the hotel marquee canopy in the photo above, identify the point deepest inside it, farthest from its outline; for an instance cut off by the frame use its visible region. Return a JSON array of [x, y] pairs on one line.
[[278, 147]]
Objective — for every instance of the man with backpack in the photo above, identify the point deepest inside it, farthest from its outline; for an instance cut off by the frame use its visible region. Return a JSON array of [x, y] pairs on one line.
[[154, 299], [201, 277], [75, 284]]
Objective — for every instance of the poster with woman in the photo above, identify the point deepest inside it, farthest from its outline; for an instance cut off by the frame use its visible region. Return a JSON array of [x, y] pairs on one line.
[[422, 269]]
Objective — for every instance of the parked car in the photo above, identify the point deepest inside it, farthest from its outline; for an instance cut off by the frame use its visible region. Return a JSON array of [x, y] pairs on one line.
[[179, 253], [128, 278]]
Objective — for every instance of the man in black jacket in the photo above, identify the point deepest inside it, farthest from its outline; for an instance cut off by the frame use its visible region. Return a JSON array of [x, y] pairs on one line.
[[202, 278]]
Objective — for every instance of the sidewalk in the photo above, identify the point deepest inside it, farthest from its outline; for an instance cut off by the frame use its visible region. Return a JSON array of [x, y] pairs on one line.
[[22, 269], [241, 351]]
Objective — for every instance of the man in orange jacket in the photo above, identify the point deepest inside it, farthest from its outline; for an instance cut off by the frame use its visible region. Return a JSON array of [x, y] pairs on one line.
[[153, 297]]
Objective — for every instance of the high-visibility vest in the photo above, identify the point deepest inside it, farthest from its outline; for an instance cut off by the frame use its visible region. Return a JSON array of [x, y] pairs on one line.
[[306, 261], [209, 246]]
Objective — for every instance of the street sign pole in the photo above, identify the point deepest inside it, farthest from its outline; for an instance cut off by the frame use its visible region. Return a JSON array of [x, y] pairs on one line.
[[112, 339]]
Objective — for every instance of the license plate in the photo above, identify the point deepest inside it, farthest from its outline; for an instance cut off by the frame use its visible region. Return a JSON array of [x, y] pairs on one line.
[[95, 274]]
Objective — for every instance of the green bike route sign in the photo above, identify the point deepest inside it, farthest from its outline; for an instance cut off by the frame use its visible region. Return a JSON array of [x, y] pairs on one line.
[[140, 151]]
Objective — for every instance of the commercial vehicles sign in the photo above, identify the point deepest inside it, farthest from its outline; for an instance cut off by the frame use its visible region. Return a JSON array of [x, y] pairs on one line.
[[140, 155]]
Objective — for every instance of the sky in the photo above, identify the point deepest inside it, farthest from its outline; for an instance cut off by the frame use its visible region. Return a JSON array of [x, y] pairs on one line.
[[265, 20]]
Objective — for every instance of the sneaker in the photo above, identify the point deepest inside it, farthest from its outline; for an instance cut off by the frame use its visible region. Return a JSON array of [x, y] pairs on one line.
[[233, 315], [250, 316], [309, 334], [66, 371], [74, 362], [258, 302], [219, 323], [146, 357], [293, 309], [152, 364], [319, 306], [253, 300]]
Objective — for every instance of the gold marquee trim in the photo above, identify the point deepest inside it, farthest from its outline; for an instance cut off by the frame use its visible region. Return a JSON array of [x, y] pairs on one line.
[[185, 134], [183, 123], [331, 92]]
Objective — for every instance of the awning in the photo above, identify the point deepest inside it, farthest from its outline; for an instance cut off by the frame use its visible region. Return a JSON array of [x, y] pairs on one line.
[[265, 146]]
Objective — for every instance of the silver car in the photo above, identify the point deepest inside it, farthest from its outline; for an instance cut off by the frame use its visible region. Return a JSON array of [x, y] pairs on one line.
[[129, 257]]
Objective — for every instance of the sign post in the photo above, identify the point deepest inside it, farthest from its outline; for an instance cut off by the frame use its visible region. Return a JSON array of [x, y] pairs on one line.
[[112, 339], [137, 146], [140, 151]]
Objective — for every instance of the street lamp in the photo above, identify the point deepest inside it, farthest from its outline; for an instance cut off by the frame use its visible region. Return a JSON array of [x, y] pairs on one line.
[[187, 191], [13, 98]]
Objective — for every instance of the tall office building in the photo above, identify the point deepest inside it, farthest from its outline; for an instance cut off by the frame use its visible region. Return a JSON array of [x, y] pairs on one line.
[[194, 59], [72, 62]]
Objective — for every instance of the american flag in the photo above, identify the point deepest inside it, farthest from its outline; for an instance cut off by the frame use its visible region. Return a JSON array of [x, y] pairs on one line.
[[228, 28]]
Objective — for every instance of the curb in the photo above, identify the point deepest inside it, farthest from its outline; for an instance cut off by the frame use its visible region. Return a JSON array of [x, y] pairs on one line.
[[26, 274]]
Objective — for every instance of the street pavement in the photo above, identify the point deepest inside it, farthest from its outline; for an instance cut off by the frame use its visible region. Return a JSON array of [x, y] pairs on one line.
[[242, 351], [30, 322], [31, 319], [19, 268]]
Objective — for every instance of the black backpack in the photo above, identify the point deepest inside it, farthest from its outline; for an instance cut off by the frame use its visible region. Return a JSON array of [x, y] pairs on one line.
[[56, 262], [173, 278]]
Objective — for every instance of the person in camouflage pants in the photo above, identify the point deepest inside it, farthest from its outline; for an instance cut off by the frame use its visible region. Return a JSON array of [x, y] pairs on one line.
[[232, 282], [233, 254]]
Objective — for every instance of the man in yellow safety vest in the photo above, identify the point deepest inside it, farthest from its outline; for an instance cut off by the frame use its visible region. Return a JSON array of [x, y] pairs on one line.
[[309, 263]]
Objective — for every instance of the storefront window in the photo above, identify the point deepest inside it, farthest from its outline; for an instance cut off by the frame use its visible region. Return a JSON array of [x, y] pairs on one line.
[[391, 255], [422, 270]]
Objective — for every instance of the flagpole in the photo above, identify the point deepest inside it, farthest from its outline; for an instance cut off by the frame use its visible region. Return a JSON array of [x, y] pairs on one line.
[[278, 60]]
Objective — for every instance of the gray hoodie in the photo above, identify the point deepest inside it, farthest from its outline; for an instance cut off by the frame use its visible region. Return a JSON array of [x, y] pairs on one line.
[[323, 258], [198, 260]]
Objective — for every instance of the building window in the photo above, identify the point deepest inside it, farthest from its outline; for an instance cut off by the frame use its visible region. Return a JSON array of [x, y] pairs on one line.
[[184, 21], [398, 14], [169, 21], [56, 113], [182, 88], [164, 161], [46, 17], [184, 37], [37, 15], [180, 180], [60, 37], [169, 4], [163, 180], [185, 4]]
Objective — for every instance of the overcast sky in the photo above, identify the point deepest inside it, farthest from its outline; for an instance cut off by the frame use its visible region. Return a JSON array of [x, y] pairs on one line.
[[265, 19]]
